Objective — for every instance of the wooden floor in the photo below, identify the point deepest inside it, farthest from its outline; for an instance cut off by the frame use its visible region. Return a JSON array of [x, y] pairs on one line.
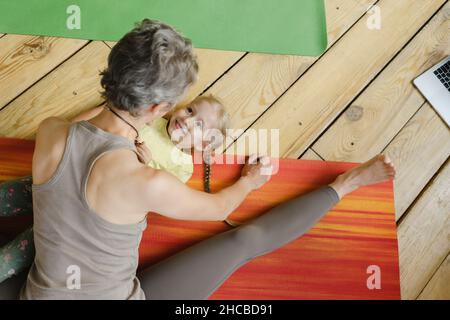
[[353, 102]]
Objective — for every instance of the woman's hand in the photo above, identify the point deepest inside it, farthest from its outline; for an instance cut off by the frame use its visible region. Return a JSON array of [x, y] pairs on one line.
[[144, 154], [257, 170]]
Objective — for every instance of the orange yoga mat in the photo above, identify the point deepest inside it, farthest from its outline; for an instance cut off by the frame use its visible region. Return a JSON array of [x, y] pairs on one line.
[[336, 259]]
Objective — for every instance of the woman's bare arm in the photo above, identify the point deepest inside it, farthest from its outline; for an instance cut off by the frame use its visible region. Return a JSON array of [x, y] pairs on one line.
[[166, 195]]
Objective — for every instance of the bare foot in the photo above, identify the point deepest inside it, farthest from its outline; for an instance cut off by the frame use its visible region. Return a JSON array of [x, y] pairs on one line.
[[378, 169]]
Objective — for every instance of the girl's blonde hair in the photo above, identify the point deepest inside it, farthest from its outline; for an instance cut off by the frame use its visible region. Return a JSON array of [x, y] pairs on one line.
[[223, 116]]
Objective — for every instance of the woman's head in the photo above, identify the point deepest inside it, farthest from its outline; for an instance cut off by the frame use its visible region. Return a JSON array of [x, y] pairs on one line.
[[202, 122], [152, 64]]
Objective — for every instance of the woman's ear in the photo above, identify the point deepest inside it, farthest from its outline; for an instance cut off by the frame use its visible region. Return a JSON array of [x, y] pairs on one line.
[[163, 108], [159, 109]]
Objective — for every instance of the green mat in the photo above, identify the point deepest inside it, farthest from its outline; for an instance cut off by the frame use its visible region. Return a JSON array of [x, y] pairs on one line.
[[296, 27]]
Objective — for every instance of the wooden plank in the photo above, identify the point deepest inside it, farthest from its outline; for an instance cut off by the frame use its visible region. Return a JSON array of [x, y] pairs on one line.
[[258, 80], [418, 151], [439, 286], [110, 43], [412, 150], [390, 101], [423, 236], [70, 89], [212, 65], [321, 94], [26, 59], [311, 155]]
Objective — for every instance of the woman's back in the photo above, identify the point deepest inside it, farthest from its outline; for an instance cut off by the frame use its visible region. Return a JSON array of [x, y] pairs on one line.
[[79, 254]]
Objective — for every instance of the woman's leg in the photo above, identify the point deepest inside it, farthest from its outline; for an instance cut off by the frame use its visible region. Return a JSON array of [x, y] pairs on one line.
[[16, 197], [10, 289], [17, 255], [196, 272]]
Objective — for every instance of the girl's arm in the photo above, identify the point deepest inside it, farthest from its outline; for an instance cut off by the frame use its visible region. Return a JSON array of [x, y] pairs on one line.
[[87, 115]]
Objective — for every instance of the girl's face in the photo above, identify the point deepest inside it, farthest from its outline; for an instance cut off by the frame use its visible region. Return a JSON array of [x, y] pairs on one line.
[[187, 126]]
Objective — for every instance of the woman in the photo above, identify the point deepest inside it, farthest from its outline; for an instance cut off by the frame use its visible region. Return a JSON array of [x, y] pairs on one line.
[[166, 154], [91, 193]]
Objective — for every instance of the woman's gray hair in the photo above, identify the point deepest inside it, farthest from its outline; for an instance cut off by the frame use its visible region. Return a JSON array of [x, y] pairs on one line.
[[151, 64]]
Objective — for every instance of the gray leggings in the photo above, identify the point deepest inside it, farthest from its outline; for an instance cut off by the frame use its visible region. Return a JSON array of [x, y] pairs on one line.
[[197, 271]]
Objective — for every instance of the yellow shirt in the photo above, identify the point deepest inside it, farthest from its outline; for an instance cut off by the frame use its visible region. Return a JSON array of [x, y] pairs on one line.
[[165, 155]]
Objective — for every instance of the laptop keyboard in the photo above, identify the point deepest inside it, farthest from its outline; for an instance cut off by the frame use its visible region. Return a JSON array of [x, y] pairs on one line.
[[443, 74]]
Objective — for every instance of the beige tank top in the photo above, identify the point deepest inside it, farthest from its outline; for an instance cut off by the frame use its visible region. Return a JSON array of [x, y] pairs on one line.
[[80, 255]]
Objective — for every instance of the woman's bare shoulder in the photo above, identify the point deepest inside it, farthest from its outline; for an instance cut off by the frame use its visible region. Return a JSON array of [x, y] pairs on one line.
[[49, 147], [52, 134]]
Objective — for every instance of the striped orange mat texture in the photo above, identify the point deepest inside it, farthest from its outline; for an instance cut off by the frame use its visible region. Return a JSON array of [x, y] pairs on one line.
[[351, 253]]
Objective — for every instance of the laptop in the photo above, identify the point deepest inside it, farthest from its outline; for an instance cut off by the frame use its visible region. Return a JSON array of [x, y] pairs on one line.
[[435, 87]]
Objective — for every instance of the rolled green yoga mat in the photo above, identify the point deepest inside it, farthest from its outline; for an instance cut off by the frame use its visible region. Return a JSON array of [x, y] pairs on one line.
[[296, 27]]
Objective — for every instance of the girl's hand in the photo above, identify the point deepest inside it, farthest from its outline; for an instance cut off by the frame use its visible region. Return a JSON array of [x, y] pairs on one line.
[[257, 170], [144, 154]]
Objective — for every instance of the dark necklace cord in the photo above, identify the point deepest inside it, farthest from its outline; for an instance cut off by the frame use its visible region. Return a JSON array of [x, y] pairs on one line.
[[137, 140], [207, 185]]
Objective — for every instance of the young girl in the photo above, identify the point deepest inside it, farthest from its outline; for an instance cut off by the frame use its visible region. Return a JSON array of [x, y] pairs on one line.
[[167, 145]]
